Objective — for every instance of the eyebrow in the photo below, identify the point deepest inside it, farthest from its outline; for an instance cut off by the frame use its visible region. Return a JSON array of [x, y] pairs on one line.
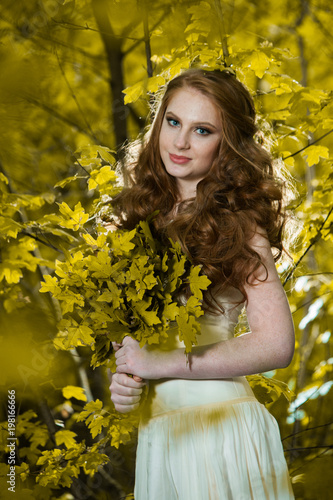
[[207, 124]]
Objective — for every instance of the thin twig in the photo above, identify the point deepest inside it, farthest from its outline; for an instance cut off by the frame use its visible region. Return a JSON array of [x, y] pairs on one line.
[[88, 28], [305, 430], [36, 238], [60, 117], [327, 447], [317, 274], [314, 240], [307, 462], [75, 99], [310, 144], [311, 300]]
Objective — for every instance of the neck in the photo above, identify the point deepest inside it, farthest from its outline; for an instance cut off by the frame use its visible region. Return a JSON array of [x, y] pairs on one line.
[[186, 191]]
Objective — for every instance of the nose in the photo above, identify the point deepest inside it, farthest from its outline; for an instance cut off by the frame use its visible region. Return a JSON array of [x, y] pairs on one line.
[[182, 140]]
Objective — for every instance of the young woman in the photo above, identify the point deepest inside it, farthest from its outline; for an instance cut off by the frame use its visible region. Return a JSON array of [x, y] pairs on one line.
[[203, 435]]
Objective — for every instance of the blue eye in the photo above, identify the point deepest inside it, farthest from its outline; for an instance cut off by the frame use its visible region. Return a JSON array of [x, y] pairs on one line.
[[172, 122], [202, 131]]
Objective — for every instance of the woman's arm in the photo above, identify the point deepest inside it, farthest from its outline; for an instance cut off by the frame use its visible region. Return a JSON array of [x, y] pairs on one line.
[[270, 344]]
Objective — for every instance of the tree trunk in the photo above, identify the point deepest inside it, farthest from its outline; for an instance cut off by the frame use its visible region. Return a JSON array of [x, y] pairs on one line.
[[113, 48]]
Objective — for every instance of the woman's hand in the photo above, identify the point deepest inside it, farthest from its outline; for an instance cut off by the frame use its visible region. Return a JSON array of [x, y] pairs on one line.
[[125, 391], [141, 361]]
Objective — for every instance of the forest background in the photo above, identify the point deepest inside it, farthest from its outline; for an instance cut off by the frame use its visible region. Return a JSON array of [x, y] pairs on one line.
[[64, 67]]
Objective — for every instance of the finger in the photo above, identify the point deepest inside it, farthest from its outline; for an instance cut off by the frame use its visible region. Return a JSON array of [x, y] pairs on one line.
[[120, 360], [116, 346], [125, 380], [124, 390], [123, 368], [137, 379], [120, 352], [129, 340], [126, 408], [125, 400]]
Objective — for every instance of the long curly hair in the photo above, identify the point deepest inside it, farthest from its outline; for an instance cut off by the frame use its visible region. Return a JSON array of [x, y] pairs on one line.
[[240, 192]]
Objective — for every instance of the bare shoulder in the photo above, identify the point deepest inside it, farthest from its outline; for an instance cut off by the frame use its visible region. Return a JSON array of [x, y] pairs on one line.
[[259, 242]]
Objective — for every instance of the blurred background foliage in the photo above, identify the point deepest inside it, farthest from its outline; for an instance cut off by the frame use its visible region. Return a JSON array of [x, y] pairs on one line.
[[64, 66]]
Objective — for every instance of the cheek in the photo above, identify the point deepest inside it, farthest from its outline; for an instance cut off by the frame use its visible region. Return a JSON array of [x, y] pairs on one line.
[[163, 146], [211, 151], [164, 136], [161, 141]]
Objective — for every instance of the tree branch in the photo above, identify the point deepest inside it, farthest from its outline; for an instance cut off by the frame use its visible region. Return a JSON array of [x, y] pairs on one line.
[[88, 28], [60, 117], [140, 40], [113, 49], [310, 144], [36, 238], [307, 429], [222, 31], [310, 460], [314, 240], [311, 300], [76, 100], [143, 9]]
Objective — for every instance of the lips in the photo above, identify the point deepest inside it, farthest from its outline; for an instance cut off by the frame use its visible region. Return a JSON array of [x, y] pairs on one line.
[[179, 159]]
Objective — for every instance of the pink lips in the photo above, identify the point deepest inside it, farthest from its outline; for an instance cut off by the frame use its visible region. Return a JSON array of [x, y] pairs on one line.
[[179, 159]]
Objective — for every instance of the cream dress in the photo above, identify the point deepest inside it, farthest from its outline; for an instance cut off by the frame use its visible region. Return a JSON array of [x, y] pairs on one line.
[[209, 439]]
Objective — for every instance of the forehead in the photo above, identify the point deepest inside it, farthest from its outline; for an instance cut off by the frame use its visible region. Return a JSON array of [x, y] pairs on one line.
[[193, 105]]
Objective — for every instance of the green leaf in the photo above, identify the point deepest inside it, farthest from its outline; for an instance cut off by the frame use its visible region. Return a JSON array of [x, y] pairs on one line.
[[95, 417], [65, 437], [9, 228], [198, 283], [150, 317], [68, 180], [72, 391], [155, 82], [133, 93], [90, 409], [188, 327], [79, 335], [104, 175], [73, 219], [171, 311], [259, 62], [92, 460], [199, 11], [3, 178], [104, 153], [121, 241], [144, 226], [269, 389], [314, 153], [10, 272]]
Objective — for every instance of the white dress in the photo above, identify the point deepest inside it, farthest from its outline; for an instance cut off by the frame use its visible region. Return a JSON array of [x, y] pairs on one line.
[[209, 439]]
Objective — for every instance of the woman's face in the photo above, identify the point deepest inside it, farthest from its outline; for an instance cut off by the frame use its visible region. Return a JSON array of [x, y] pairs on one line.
[[189, 138]]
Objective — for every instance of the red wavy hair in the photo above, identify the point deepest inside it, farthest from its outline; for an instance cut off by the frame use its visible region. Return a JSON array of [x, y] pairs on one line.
[[239, 193]]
